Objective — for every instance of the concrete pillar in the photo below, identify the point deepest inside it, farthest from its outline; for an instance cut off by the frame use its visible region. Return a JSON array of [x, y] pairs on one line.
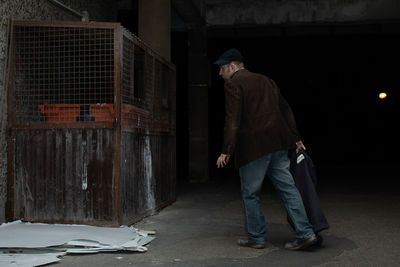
[[199, 73], [154, 26]]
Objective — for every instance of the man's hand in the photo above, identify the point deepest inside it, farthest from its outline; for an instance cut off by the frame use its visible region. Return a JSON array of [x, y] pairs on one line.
[[300, 145], [223, 160]]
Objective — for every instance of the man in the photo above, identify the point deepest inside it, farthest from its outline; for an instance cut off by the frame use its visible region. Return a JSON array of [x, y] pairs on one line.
[[260, 128]]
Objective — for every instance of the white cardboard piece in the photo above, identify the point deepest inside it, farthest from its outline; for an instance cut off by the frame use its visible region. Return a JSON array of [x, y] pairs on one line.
[[34, 244]]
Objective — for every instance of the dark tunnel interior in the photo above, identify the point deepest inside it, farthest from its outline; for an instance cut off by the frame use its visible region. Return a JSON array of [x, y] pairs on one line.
[[332, 82]]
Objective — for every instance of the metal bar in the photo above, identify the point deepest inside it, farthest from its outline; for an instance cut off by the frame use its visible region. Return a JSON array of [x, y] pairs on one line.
[[118, 122], [84, 15], [133, 129], [10, 153], [44, 126], [153, 78], [77, 24], [173, 110], [8, 61], [11, 178]]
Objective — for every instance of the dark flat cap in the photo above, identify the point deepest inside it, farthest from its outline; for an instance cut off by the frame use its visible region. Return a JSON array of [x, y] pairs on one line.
[[228, 56]]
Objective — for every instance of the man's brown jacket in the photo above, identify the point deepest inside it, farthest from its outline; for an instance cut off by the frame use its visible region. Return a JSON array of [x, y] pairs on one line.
[[258, 119]]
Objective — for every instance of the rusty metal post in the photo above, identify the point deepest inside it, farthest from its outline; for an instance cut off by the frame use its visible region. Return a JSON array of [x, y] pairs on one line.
[[10, 154], [117, 125]]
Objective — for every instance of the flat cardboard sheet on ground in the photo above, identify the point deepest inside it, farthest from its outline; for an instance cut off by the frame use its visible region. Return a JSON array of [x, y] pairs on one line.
[[33, 244]]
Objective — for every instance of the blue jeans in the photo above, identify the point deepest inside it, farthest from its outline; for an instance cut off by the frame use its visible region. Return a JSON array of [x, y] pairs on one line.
[[276, 166]]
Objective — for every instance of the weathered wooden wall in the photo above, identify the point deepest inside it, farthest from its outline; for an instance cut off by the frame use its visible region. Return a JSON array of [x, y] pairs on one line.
[[64, 175], [148, 173], [105, 10]]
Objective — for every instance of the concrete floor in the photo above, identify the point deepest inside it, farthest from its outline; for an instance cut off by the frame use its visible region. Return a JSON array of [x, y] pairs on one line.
[[202, 227]]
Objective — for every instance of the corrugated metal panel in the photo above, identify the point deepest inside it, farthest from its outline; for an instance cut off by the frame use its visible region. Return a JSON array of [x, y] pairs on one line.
[[64, 175]]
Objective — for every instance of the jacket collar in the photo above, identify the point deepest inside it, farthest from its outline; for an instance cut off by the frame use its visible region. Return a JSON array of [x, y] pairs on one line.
[[241, 70]]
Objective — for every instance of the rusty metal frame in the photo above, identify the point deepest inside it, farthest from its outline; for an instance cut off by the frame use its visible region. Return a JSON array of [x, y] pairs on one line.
[[74, 24], [10, 154], [119, 33], [156, 127], [78, 24], [117, 125]]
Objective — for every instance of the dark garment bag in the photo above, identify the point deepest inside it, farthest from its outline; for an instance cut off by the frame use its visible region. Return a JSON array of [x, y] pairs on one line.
[[305, 178]]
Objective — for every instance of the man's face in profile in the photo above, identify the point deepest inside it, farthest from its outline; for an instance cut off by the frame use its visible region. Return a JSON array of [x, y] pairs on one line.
[[226, 71]]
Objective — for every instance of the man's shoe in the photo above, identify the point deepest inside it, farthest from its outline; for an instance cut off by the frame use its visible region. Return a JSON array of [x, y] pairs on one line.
[[319, 242], [250, 244], [299, 244]]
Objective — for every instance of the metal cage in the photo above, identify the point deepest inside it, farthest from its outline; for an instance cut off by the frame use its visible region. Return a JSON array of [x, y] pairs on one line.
[[91, 113]]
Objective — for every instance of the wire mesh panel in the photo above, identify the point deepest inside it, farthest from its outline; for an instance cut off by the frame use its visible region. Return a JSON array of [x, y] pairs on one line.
[[146, 87], [161, 89], [140, 79], [135, 104], [63, 74], [66, 73], [128, 81]]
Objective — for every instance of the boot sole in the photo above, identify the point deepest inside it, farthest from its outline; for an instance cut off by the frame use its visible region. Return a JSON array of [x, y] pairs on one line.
[[304, 245]]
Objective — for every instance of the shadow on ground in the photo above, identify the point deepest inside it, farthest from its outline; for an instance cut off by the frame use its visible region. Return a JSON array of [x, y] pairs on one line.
[[201, 228]]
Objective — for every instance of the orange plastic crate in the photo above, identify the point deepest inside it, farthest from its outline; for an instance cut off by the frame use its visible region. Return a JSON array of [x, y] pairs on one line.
[[60, 112], [80, 112]]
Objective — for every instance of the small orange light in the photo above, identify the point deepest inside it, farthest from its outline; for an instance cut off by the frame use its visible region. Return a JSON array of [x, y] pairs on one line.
[[382, 95]]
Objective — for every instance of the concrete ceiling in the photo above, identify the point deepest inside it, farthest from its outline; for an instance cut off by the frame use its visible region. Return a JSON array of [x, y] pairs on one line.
[[273, 12], [187, 11]]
